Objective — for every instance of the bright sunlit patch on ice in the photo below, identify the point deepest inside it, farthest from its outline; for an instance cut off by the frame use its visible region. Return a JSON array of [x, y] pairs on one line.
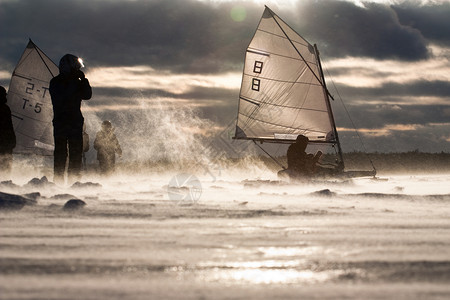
[[264, 272], [287, 251], [257, 276], [256, 264]]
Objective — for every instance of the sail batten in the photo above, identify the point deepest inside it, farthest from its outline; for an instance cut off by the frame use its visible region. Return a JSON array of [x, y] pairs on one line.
[[286, 81], [30, 102]]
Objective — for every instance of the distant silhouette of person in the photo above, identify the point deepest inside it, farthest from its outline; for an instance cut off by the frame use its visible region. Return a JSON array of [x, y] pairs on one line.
[[67, 90], [301, 164], [7, 135], [85, 145], [107, 146]]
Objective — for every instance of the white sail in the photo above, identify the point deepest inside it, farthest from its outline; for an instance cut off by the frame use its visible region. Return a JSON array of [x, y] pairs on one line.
[[282, 92], [30, 102]]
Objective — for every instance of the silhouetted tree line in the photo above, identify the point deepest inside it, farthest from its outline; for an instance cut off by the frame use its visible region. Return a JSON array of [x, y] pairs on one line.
[[404, 162], [412, 161]]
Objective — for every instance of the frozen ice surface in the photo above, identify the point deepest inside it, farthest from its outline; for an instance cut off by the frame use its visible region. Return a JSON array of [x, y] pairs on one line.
[[255, 239]]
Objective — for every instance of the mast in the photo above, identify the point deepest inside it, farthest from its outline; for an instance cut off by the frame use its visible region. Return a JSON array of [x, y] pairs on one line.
[[324, 85]]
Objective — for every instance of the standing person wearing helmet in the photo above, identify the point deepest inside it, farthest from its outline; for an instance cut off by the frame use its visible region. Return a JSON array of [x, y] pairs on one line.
[[67, 90], [7, 135], [107, 146]]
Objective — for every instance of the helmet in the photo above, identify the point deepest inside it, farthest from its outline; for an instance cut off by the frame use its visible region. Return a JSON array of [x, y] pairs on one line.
[[70, 63]]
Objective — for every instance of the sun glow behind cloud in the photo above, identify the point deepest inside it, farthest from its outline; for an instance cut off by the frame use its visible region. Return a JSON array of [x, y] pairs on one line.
[[145, 77], [366, 72], [390, 129], [385, 130]]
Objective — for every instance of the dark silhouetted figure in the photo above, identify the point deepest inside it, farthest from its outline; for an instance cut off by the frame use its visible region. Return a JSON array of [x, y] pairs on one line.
[[107, 146], [7, 135], [67, 90], [301, 164]]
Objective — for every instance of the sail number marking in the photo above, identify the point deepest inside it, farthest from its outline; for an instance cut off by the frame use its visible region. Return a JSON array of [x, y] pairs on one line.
[[257, 68], [30, 89], [37, 107], [256, 83]]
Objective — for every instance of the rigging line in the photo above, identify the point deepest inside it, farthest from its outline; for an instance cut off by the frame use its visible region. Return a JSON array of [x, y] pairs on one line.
[[350, 118], [273, 158], [21, 61], [38, 50], [328, 104], [249, 49], [281, 36], [278, 149], [293, 45], [303, 103]]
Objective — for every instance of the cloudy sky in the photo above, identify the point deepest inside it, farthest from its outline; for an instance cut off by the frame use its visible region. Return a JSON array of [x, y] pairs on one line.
[[181, 61]]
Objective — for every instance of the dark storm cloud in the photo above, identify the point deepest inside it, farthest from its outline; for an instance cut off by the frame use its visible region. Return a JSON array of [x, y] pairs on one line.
[[182, 35], [401, 104], [342, 28], [197, 37], [187, 36], [433, 21], [394, 128]]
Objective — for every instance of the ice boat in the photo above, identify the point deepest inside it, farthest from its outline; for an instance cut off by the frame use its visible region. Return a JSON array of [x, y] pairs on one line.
[[283, 92]]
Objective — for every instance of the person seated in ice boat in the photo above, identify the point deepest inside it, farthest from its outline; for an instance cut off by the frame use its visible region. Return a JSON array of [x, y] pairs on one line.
[[300, 163]]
